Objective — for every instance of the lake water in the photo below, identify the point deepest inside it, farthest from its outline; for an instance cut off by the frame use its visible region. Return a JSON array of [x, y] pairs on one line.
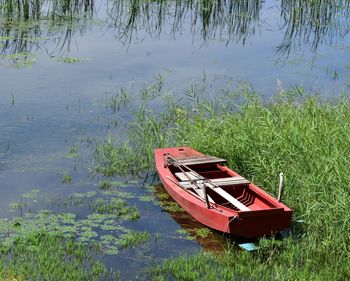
[[58, 76]]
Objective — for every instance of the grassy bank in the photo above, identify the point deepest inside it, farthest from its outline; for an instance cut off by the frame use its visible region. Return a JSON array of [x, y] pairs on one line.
[[305, 137]]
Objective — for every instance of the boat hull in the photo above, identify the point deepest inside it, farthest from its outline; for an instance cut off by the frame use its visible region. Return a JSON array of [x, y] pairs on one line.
[[254, 223]]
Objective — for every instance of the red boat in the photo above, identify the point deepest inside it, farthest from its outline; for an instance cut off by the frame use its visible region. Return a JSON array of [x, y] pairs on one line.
[[217, 196]]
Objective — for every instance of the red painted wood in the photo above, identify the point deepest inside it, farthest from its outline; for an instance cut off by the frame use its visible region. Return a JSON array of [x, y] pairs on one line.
[[266, 215]]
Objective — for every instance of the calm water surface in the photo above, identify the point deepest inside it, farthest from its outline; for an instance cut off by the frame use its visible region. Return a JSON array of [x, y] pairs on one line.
[[48, 105]]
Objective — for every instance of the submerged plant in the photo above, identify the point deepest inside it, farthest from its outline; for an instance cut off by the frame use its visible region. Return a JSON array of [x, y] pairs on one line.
[[73, 152], [66, 179], [105, 184], [70, 60]]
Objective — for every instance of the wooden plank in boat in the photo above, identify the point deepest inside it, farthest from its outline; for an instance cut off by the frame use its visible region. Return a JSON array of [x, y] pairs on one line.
[[229, 181], [218, 181], [228, 197], [188, 176], [200, 192], [199, 160]]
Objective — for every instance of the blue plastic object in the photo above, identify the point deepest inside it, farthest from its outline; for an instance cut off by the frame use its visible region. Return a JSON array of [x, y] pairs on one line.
[[248, 246]]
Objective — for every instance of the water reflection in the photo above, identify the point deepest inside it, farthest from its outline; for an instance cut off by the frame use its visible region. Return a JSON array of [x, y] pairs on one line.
[[224, 20], [16, 11], [313, 22], [26, 26], [302, 23]]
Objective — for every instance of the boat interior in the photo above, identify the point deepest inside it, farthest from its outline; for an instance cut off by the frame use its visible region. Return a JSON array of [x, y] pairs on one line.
[[223, 186]]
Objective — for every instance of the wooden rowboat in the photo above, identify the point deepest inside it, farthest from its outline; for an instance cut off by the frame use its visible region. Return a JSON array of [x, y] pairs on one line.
[[217, 196]]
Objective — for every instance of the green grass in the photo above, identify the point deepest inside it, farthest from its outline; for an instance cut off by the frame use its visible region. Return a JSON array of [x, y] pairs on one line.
[[305, 137]]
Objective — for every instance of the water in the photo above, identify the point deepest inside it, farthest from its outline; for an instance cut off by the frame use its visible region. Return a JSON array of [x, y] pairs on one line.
[[47, 106]]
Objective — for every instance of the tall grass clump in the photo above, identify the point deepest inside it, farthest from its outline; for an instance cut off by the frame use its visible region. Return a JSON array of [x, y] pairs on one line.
[[305, 137]]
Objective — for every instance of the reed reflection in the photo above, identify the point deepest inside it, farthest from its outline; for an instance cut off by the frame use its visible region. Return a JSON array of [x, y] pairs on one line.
[[24, 23], [28, 25], [224, 20], [313, 22]]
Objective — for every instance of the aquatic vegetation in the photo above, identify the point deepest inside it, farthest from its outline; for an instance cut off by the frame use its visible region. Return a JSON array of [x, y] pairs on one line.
[[117, 207], [15, 206], [119, 100], [105, 184], [182, 231], [70, 60], [170, 206], [119, 194], [28, 199], [128, 239], [31, 195], [109, 158], [133, 238], [146, 198], [32, 258], [18, 60], [85, 230], [66, 179], [87, 194], [73, 152], [202, 232]]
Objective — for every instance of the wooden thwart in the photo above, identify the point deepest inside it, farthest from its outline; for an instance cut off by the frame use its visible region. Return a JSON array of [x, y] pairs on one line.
[[199, 160], [188, 176], [219, 181]]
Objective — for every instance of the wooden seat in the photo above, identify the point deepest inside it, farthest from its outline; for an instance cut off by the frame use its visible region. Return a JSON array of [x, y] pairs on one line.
[[191, 176], [188, 176], [205, 159]]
